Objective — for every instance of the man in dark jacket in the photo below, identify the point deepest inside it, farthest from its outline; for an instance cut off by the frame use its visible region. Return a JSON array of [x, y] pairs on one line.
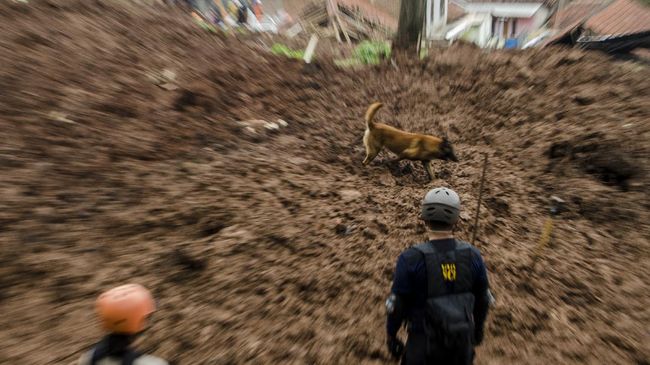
[[242, 13], [440, 291]]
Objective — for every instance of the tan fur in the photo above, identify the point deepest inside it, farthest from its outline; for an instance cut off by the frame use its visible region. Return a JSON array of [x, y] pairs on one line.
[[410, 146]]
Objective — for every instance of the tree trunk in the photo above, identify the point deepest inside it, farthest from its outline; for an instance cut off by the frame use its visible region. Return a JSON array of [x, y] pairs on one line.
[[411, 23]]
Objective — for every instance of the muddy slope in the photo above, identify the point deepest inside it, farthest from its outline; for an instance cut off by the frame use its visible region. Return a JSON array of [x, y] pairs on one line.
[[122, 160]]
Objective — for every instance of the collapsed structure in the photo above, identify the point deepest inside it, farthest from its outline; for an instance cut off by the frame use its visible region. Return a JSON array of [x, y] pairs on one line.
[[346, 20], [617, 27]]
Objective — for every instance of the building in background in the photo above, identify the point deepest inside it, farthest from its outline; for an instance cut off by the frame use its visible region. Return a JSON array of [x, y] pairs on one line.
[[508, 23], [436, 17]]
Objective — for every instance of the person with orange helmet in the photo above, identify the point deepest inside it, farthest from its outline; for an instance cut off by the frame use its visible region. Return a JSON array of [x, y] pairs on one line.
[[123, 312]]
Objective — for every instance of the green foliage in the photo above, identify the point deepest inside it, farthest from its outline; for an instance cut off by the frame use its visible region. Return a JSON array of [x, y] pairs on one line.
[[371, 53], [282, 50], [366, 53], [348, 62]]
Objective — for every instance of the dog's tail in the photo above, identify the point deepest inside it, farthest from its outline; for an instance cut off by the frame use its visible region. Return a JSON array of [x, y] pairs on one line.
[[370, 113]]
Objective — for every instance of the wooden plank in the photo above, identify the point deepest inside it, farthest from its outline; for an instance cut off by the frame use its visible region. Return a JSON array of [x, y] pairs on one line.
[[311, 47], [343, 28], [330, 14]]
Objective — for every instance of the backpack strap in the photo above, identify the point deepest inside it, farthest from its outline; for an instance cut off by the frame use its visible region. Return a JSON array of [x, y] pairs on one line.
[[435, 284], [464, 280], [447, 271]]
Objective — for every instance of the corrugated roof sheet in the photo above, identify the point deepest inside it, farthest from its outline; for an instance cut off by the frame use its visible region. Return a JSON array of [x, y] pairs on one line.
[[577, 12], [621, 17]]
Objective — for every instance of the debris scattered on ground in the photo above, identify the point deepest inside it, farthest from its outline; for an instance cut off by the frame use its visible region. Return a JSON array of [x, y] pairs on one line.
[[335, 19]]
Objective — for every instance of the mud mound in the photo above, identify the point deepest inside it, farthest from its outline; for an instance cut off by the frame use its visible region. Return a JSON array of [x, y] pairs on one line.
[[597, 156], [124, 158]]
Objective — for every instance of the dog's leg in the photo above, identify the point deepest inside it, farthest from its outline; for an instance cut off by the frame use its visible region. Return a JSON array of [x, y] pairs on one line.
[[371, 149], [427, 167], [371, 153]]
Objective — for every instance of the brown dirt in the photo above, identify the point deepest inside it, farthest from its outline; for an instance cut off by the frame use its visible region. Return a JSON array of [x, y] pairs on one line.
[[279, 247]]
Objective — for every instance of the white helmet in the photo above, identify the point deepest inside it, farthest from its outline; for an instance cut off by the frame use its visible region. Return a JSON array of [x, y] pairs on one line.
[[441, 205]]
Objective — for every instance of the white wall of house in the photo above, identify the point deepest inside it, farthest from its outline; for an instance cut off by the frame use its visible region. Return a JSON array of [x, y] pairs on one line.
[[485, 31], [505, 10], [475, 28], [540, 17], [436, 18], [487, 23]]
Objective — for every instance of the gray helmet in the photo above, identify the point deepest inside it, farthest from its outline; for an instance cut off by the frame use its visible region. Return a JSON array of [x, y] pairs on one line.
[[441, 205]]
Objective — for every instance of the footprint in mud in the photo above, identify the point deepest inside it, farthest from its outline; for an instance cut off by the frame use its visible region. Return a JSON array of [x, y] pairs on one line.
[[188, 265], [501, 323], [212, 226], [498, 206], [576, 293], [292, 206], [443, 174], [398, 168]]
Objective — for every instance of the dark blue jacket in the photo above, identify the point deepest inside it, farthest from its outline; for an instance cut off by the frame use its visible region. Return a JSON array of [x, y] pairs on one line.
[[410, 285]]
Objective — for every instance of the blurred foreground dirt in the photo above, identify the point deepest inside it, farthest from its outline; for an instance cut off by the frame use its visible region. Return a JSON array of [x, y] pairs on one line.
[[122, 159]]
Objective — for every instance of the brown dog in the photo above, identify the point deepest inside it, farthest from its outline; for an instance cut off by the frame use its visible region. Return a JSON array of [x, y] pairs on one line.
[[410, 146]]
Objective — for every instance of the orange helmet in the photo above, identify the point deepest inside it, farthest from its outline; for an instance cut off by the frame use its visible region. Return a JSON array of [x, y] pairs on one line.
[[124, 309]]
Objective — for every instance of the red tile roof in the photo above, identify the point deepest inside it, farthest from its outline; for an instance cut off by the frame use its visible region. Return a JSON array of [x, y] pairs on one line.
[[621, 17]]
